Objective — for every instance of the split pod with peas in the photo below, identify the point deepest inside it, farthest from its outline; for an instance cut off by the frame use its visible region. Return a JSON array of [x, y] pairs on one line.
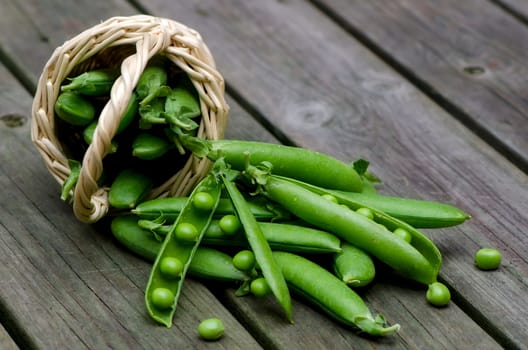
[[173, 260], [420, 261], [207, 263]]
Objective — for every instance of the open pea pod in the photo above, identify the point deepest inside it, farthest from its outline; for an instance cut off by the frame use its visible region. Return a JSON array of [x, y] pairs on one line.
[[180, 244], [419, 241]]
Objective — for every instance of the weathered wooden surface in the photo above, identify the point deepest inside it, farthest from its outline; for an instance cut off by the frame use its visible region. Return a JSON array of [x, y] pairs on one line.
[[6, 342], [314, 85], [482, 80], [517, 8]]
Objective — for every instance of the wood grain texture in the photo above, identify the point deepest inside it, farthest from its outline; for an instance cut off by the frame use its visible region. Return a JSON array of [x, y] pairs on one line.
[[460, 54], [327, 92], [6, 342], [517, 7]]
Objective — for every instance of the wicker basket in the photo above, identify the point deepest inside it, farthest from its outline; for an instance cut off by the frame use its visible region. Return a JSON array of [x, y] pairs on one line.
[[129, 43]]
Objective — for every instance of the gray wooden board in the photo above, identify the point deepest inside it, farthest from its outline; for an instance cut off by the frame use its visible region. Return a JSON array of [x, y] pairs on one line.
[[6, 342], [459, 52], [64, 284], [327, 92], [313, 105], [517, 7]]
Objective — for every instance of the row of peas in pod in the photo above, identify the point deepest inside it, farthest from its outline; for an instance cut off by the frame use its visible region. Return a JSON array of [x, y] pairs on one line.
[[146, 149], [274, 219]]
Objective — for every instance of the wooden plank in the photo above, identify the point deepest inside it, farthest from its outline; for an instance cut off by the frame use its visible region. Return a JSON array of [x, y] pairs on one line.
[[518, 8], [64, 284], [6, 342], [468, 55], [327, 92]]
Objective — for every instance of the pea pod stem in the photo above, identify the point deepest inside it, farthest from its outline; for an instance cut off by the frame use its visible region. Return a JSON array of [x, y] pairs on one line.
[[173, 247], [260, 248], [348, 225]]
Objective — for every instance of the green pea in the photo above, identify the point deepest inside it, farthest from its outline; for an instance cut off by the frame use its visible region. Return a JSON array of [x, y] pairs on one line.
[[211, 329], [329, 197], [229, 224], [488, 259], [171, 267], [438, 294], [186, 232], [259, 287], [403, 234], [162, 298], [244, 260], [203, 201], [366, 212]]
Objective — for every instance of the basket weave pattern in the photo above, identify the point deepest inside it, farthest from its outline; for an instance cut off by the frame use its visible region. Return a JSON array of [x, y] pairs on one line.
[[131, 41]]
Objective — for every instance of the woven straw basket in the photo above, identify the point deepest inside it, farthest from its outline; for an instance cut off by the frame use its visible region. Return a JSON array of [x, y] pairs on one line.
[[128, 43]]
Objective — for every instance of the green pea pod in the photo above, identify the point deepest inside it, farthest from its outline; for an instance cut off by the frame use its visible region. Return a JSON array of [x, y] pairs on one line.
[[148, 146], [323, 289], [129, 115], [354, 228], [93, 83], [128, 189], [418, 240], [295, 162], [170, 207], [207, 263], [88, 134], [260, 248], [415, 212], [180, 107], [353, 266], [71, 181], [152, 84], [285, 237], [74, 109], [163, 287]]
